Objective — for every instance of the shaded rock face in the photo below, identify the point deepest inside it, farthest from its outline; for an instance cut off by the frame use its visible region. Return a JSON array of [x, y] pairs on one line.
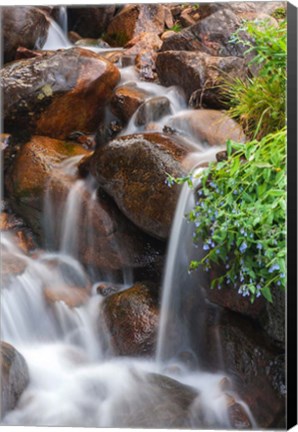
[[90, 22], [153, 110], [14, 376], [256, 367], [131, 318], [23, 26], [133, 170], [207, 126], [241, 8], [57, 93], [273, 317], [72, 296], [201, 73], [134, 19]]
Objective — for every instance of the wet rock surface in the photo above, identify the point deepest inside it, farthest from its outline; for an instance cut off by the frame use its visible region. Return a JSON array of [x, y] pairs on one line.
[[256, 367], [210, 127], [153, 110], [73, 297], [134, 19], [131, 319], [57, 93], [133, 170], [14, 376], [126, 100], [23, 26], [201, 73]]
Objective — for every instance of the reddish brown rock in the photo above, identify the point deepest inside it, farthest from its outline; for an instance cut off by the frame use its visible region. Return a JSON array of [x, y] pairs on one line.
[[14, 377], [57, 93], [134, 19], [241, 8], [201, 73], [91, 21], [126, 100], [207, 126], [131, 317], [11, 266], [72, 296], [133, 171], [23, 26]]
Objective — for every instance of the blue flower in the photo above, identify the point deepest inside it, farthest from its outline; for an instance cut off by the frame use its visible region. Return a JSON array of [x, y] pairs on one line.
[[235, 192], [273, 268], [197, 223], [206, 247], [259, 246], [217, 251], [243, 247], [227, 266], [282, 275], [279, 283], [251, 235], [213, 185]]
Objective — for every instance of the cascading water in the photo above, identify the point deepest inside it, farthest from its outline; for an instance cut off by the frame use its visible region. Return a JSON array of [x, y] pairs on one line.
[[74, 381]]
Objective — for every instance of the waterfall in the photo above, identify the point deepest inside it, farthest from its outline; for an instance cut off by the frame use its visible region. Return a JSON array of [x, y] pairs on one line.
[[56, 38], [62, 19]]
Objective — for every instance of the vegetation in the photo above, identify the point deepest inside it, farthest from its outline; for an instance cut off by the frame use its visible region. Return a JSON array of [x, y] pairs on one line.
[[240, 211], [177, 27], [259, 102]]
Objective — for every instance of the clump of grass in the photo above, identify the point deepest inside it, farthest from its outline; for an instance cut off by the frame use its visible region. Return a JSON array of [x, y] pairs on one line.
[[258, 103]]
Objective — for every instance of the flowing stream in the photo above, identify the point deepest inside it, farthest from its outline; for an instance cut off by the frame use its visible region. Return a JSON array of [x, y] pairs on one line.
[[74, 379]]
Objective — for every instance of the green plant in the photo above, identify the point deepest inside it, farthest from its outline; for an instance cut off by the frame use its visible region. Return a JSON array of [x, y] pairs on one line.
[[258, 103], [279, 13], [177, 27], [240, 215]]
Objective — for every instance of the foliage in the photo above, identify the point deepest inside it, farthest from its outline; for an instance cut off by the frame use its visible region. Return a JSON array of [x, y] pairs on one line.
[[240, 214], [279, 13], [259, 102], [177, 27]]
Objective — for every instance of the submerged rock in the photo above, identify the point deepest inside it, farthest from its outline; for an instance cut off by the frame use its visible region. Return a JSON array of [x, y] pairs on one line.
[[134, 19], [14, 376], [91, 21], [153, 110], [133, 171], [202, 73], [131, 318], [73, 297], [57, 93], [208, 126], [23, 26]]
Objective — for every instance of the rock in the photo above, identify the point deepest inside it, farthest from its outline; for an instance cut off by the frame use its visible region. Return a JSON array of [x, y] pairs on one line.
[[131, 318], [134, 19], [152, 110], [144, 47], [23, 26], [126, 100], [169, 408], [11, 266], [73, 37], [116, 243], [90, 22], [57, 93], [167, 34], [133, 169], [238, 417], [73, 297], [255, 366], [185, 18], [201, 73], [14, 377], [241, 8], [29, 173], [106, 289], [207, 126], [273, 317], [88, 42], [25, 53]]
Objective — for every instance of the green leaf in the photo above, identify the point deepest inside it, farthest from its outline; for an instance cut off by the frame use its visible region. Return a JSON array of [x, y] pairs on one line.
[[267, 293]]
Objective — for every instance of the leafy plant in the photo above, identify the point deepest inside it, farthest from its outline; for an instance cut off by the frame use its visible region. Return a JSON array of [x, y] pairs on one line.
[[258, 103], [177, 27], [240, 215]]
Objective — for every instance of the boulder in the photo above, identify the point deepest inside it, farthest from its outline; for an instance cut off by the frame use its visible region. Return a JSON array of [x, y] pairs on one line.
[[126, 100], [256, 367], [202, 73], [133, 171], [115, 243], [57, 93], [23, 26], [240, 8], [14, 376], [11, 266], [90, 22], [131, 318], [274, 315], [134, 19], [207, 126]]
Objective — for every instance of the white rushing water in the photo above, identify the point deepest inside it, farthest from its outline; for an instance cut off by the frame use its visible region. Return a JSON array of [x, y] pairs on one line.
[[74, 380]]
